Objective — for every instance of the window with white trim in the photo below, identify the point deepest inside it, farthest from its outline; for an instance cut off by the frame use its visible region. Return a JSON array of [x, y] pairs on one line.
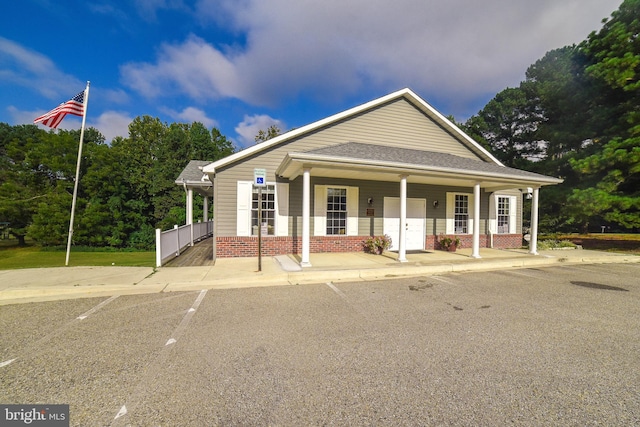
[[268, 210], [503, 210], [336, 211], [503, 214], [461, 214]]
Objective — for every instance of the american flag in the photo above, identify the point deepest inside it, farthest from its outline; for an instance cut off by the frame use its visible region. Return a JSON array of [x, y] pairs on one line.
[[73, 106]]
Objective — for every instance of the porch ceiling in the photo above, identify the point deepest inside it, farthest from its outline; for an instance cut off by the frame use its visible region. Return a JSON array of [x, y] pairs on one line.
[[205, 190], [379, 163]]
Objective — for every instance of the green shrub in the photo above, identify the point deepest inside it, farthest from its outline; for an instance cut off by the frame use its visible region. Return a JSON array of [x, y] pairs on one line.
[[555, 244]]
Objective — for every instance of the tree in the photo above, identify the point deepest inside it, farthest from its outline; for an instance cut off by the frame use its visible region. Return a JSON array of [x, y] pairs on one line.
[[614, 170], [24, 176], [271, 132], [220, 147], [508, 124]]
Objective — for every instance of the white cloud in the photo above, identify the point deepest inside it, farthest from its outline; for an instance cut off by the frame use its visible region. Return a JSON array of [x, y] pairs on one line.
[[27, 68], [112, 124], [22, 117], [193, 67], [249, 127], [113, 96], [459, 49], [190, 115]]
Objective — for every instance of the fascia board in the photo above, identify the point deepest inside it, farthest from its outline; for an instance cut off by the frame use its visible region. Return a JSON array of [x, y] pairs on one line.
[[403, 168]]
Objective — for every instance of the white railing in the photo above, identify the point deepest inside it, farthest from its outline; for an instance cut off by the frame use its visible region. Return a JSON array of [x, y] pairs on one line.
[[170, 243]]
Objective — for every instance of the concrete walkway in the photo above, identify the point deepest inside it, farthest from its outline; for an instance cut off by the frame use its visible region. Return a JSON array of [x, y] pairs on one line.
[[45, 284]]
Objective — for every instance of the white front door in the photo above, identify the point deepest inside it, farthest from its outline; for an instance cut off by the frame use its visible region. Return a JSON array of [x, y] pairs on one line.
[[416, 218]]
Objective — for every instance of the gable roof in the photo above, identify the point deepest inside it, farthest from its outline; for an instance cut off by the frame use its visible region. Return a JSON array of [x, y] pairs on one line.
[[193, 172], [426, 159], [406, 94], [193, 177]]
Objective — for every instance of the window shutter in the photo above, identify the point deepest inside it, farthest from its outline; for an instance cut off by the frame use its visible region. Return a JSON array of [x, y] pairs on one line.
[[243, 210], [319, 210], [472, 209], [451, 201], [352, 211], [282, 209], [513, 209], [493, 213]]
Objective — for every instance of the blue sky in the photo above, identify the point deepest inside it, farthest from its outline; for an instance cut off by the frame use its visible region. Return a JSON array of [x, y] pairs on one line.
[[242, 65]]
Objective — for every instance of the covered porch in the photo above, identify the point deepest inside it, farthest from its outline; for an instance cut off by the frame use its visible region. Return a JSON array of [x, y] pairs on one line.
[[406, 167], [170, 244]]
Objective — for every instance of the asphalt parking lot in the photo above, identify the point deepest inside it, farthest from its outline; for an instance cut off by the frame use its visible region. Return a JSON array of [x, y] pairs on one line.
[[548, 346]]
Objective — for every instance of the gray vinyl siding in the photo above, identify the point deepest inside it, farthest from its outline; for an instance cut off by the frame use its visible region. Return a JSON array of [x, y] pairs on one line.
[[369, 226], [397, 123]]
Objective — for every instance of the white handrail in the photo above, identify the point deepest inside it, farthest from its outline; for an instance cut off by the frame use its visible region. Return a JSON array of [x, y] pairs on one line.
[[170, 243]]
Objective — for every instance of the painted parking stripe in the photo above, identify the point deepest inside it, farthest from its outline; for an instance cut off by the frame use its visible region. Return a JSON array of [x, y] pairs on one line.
[[6, 362], [336, 290], [122, 412], [141, 389], [39, 343], [448, 282], [96, 308], [185, 320]]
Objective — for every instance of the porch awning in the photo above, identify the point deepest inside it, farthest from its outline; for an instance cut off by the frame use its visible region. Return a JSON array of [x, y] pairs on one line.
[[373, 162], [193, 177]]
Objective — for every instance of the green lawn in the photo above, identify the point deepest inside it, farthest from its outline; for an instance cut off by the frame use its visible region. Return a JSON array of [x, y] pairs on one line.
[[12, 257]]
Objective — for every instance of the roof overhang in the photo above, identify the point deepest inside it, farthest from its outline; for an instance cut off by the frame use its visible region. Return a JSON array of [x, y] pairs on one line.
[[193, 178], [380, 170], [203, 188]]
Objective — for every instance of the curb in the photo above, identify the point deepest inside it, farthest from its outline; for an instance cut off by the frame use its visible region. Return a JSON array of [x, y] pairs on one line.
[[284, 275]]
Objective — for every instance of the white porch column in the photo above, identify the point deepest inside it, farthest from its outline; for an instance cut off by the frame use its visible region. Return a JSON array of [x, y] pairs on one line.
[[306, 213], [533, 242], [475, 250], [205, 209], [190, 212], [402, 231]]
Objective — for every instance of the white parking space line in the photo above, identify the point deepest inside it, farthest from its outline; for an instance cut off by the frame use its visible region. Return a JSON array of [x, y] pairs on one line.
[[122, 412], [141, 389], [448, 282], [187, 317], [6, 362], [336, 290], [96, 308], [34, 347]]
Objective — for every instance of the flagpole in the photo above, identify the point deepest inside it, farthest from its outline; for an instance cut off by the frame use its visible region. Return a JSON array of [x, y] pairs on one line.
[[75, 184]]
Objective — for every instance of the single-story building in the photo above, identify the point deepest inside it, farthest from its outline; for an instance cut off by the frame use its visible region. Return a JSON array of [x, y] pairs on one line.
[[392, 166]]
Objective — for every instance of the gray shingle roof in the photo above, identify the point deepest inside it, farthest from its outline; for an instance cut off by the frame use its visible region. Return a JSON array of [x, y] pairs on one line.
[[192, 172], [384, 154]]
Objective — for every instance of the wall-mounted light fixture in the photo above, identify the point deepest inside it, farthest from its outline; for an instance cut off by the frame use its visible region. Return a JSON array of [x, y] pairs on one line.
[[435, 203], [370, 201]]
